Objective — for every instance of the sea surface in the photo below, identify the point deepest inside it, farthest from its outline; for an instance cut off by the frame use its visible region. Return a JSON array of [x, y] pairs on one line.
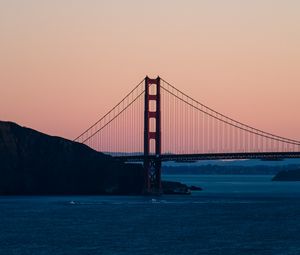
[[234, 214]]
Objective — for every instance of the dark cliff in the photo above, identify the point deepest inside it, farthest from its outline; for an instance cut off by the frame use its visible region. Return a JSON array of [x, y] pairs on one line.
[[35, 163]]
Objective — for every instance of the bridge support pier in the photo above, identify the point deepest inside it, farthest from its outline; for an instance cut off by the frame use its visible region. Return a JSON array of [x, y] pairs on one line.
[[152, 158]]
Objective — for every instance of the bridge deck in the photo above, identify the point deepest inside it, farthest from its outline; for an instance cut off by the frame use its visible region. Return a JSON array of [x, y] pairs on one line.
[[215, 156]]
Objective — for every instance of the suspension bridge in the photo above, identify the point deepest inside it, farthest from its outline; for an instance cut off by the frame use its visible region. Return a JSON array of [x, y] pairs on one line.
[[157, 122]]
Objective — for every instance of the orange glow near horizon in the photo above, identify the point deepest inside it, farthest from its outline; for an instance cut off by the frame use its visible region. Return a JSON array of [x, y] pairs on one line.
[[65, 64]]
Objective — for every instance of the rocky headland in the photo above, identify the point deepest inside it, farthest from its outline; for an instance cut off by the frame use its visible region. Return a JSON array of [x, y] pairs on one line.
[[33, 163]]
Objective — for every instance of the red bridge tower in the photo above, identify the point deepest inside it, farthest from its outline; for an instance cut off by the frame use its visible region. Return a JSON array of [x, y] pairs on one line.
[[152, 120]]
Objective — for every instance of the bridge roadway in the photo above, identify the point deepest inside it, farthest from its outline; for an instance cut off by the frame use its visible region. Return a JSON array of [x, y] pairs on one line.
[[213, 156]]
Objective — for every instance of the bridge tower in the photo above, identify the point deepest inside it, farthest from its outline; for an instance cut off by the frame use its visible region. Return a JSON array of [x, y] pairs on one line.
[[152, 119]]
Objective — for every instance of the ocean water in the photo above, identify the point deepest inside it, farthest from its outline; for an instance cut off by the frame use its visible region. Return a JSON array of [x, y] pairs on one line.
[[232, 215]]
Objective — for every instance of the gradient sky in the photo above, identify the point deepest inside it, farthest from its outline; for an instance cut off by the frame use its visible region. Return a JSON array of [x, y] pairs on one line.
[[63, 63]]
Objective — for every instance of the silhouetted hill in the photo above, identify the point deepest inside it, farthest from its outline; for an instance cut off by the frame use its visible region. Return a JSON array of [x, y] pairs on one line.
[[34, 163]]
